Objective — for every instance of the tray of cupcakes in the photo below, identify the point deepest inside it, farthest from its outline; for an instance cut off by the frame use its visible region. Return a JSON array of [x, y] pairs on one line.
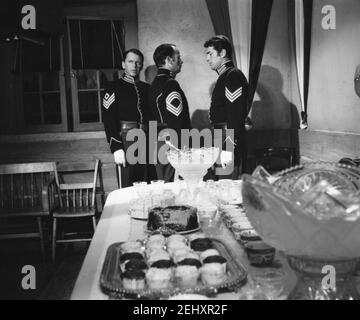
[[160, 267]]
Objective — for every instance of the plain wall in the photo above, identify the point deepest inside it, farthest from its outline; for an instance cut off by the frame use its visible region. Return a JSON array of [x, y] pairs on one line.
[[276, 101], [187, 24], [333, 104]]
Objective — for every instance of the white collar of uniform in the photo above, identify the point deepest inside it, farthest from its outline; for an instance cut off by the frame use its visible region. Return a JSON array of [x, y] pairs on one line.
[[165, 72], [225, 66]]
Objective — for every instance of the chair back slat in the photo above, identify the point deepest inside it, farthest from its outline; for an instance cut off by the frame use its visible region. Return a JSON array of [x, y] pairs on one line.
[[2, 193], [32, 188], [22, 194], [87, 198], [83, 194], [71, 186], [12, 190], [74, 198], [34, 167], [67, 198], [21, 188], [71, 167]]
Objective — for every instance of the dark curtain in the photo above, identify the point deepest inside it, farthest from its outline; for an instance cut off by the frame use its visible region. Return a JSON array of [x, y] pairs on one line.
[[308, 5], [261, 11], [219, 14]]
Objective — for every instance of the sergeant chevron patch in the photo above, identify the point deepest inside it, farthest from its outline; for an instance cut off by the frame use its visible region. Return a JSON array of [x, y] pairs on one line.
[[232, 96], [108, 100], [175, 110]]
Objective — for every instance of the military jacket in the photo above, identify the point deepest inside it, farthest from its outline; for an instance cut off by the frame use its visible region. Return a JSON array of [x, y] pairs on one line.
[[168, 102], [123, 100], [229, 102]]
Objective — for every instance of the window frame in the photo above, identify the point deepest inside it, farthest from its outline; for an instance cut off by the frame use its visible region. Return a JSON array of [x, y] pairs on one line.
[[125, 11], [38, 128], [77, 125]]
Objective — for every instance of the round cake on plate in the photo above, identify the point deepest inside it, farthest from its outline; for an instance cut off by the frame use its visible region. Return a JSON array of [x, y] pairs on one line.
[[177, 218]]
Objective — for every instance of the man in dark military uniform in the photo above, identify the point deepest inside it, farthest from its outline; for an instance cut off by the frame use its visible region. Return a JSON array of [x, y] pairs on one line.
[[167, 100], [228, 109], [124, 107]]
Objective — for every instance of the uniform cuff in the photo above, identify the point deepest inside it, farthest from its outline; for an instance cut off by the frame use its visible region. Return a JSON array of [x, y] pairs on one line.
[[115, 145]]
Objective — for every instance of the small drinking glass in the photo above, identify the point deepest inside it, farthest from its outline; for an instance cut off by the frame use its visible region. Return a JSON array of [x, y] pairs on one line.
[[157, 186], [207, 216], [142, 191], [270, 282], [140, 188]]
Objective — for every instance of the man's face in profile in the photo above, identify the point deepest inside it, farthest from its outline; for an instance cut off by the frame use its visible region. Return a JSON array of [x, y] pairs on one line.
[[213, 58], [176, 61]]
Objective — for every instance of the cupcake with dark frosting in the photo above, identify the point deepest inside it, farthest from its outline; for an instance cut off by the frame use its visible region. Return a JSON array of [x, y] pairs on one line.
[[215, 259], [133, 280], [124, 258], [162, 264], [190, 262], [135, 264], [201, 244]]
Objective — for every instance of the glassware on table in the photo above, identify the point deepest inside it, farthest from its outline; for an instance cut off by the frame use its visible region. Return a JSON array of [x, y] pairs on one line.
[[229, 191], [157, 186], [207, 217], [141, 188], [143, 192], [312, 214], [267, 284], [163, 199], [192, 165]]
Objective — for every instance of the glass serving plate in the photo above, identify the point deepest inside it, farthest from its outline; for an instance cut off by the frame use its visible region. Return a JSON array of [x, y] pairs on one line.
[[110, 278]]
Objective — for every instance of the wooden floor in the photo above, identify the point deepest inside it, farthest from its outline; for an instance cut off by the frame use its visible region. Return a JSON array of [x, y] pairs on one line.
[[53, 281]]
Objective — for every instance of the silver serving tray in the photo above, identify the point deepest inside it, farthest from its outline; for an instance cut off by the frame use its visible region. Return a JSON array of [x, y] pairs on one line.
[[111, 284]]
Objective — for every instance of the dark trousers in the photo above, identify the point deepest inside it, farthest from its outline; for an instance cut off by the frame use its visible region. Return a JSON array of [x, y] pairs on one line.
[[151, 173], [131, 172], [239, 155], [234, 175], [165, 172]]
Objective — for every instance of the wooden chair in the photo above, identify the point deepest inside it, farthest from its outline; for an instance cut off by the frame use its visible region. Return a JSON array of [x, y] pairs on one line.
[[275, 159], [77, 199], [27, 195]]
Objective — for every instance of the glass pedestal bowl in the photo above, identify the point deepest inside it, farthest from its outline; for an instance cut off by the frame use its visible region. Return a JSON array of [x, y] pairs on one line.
[[192, 165], [312, 214]]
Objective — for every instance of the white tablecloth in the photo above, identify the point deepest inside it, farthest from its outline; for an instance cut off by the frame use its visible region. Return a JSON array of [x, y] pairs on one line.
[[116, 225]]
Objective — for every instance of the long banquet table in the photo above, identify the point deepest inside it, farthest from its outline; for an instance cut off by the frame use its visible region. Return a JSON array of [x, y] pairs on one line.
[[116, 225]]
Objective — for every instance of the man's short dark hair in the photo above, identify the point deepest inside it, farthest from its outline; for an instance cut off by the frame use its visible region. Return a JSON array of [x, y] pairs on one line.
[[135, 51], [162, 52], [218, 43]]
